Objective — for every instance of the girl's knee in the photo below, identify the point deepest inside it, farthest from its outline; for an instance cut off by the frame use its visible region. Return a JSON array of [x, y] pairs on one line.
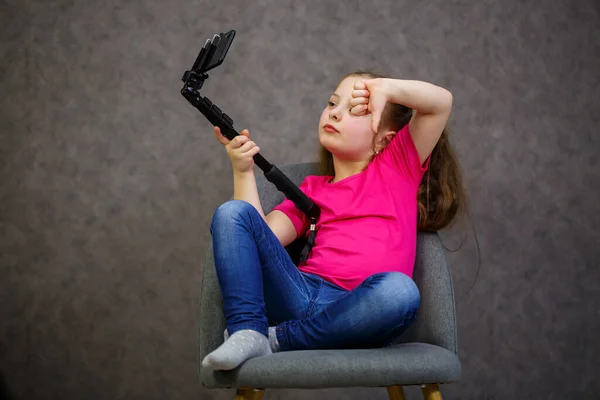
[[396, 289], [231, 210]]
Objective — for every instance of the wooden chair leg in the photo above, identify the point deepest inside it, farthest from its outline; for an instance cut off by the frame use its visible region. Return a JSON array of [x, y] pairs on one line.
[[249, 394], [395, 392], [431, 392]]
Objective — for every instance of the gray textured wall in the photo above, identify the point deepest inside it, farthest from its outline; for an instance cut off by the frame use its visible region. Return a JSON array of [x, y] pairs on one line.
[[109, 178]]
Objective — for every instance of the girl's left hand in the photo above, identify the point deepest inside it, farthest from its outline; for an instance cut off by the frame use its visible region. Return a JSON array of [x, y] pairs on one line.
[[369, 96]]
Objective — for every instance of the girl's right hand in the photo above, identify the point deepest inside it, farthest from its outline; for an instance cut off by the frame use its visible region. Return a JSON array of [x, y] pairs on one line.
[[240, 150]]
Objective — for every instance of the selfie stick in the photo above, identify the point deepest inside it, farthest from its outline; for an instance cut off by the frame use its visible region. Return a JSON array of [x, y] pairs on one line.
[[212, 55]]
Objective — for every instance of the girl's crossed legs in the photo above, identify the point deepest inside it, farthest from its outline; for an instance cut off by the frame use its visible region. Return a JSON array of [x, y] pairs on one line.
[[260, 284]]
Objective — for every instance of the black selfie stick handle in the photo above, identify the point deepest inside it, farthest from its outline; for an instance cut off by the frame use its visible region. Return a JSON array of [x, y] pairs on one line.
[[273, 174]]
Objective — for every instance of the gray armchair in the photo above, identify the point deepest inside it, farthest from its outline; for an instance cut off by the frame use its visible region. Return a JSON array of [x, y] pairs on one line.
[[426, 354]]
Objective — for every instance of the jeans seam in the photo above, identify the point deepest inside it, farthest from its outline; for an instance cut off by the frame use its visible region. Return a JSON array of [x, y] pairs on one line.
[[313, 301], [264, 242]]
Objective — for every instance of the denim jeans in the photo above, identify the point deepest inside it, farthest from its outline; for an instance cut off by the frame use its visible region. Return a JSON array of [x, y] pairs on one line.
[[261, 286]]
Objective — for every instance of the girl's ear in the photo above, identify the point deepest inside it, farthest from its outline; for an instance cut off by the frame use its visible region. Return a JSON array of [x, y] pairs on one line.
[[384, 139]]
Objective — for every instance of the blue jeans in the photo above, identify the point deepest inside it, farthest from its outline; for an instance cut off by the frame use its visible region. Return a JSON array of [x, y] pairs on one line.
[[260, 285]]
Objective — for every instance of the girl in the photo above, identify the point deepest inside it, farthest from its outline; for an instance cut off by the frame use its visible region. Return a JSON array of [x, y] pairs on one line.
[[356, 288]]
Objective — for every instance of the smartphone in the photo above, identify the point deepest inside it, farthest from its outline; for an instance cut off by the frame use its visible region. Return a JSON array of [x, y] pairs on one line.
[[214, 51]]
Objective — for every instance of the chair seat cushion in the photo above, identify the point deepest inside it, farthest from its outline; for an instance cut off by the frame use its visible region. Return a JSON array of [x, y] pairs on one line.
[[401, 364]]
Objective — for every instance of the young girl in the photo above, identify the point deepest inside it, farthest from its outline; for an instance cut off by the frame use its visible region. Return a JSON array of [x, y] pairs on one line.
[[355, 290]]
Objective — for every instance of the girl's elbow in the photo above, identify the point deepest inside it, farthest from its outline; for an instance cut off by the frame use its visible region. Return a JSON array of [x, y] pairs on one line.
[[446, 99]]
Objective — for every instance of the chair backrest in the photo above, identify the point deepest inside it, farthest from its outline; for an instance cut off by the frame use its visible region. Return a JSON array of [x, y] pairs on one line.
[[436, 320]]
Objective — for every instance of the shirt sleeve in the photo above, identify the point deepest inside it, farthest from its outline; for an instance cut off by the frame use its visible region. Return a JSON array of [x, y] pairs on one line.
[[402, 155], [298, 218]]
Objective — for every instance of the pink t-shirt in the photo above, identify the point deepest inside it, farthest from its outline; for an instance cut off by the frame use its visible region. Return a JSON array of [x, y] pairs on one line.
[[368, 221]]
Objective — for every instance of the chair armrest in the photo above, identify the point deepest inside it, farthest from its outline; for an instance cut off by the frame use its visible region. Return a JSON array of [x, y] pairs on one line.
[[436, 319]]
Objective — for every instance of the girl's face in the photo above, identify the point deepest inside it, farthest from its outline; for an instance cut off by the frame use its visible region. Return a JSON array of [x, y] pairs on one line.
[[353, 140]]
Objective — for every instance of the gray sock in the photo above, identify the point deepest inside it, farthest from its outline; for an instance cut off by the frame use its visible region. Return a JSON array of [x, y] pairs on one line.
[[241, 346], [273, 342]]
